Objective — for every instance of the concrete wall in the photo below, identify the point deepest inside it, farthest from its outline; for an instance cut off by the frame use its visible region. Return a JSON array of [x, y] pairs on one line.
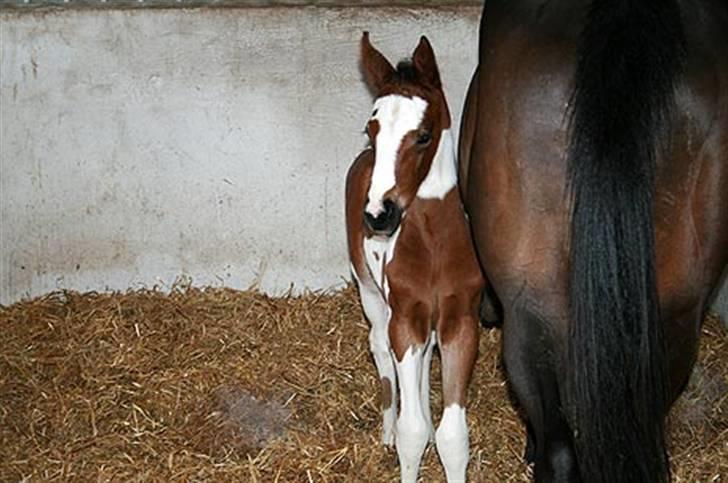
[[138, 146], [720, 304]]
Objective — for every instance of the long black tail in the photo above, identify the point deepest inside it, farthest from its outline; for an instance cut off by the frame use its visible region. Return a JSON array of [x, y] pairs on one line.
[[630, 57]]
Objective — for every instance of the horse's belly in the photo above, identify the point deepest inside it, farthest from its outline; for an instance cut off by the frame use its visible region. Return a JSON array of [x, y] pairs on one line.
[[524, 254]]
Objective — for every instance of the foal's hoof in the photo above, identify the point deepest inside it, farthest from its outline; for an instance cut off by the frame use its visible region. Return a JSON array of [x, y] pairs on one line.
[[388, 439]]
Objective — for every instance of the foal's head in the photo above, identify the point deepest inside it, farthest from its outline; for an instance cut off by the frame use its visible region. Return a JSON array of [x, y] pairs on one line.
[[409, 119]]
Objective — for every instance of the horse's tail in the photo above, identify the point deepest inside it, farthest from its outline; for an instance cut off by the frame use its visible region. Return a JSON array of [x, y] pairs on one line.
[[630, 56]]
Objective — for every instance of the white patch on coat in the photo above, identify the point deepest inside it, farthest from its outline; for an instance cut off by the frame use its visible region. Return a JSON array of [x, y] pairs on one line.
[[442, 177], [397, 115], [452, 442], [378, 253], [378, 313], [374, 294], [412, 429]]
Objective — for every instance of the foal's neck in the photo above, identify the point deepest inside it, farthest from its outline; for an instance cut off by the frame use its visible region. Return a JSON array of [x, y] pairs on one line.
[[437, 207], [442, 176]]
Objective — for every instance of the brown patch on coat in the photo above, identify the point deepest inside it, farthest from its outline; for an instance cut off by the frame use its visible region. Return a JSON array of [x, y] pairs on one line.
[[358, 180], [386, 393]]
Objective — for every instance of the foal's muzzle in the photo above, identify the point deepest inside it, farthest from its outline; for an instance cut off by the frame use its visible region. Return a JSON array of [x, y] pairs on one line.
[[386, 222]]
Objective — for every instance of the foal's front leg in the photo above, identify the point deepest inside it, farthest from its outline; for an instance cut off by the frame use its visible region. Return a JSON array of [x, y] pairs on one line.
[[377, 312], [379, 345], [413, 430], [458, 351], [425, 385]]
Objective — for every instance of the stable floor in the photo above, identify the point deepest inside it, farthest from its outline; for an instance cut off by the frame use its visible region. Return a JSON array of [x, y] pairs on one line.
[[227, 385]]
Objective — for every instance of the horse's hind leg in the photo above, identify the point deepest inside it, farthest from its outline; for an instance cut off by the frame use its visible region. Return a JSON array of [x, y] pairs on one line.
[[528, 356], [378, 314], [458, 351]]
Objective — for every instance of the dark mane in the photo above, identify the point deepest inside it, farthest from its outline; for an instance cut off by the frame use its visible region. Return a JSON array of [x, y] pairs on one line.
[[406, 72]]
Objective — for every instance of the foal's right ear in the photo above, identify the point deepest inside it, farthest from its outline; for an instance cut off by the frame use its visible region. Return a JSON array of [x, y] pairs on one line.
[[377, 70]]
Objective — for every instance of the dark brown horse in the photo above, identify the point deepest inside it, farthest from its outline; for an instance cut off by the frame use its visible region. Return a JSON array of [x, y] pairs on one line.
[[594, 167]]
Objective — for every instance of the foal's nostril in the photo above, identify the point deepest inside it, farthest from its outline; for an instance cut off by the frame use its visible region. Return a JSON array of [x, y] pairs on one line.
[[390, 209], [387, 221]]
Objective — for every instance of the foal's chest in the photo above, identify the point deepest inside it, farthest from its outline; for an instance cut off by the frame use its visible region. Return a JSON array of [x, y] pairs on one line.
[[398, 262], [379, 253]]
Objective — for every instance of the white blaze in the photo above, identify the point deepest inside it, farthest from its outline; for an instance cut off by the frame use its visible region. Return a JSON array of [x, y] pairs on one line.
[[397, 115]]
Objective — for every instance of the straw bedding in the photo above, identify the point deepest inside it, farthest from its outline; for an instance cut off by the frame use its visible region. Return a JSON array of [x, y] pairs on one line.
[[223, 385]]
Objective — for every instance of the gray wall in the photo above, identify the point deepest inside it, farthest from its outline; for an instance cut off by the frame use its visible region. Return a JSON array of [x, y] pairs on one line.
[[720, 304], [139, 145]]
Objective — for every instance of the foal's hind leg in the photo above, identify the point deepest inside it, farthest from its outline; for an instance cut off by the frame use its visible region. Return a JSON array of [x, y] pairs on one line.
[[458, 351], [378, 314]]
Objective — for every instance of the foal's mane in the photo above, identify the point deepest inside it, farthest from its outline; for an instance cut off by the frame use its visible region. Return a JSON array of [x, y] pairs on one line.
[[406, 72]]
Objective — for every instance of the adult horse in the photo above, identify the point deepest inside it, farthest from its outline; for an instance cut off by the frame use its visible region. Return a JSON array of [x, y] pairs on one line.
[[594, 167]]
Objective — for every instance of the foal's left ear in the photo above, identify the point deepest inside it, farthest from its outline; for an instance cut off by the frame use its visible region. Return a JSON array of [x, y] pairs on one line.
[[377, 69], [425, 64]]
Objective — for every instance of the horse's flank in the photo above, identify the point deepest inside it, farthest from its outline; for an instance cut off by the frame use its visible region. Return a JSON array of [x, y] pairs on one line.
[[515, 142]]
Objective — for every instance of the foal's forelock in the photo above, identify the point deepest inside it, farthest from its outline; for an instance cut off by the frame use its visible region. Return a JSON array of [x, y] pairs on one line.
[[395, 116]]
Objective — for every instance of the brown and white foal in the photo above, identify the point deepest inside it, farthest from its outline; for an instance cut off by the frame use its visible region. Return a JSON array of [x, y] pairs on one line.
[[413, 259]]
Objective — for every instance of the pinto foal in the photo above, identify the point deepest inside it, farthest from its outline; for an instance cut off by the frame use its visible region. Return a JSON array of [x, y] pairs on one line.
[[412, 256]]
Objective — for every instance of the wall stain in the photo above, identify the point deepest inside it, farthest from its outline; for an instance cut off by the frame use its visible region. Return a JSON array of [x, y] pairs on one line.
[[34, 64]]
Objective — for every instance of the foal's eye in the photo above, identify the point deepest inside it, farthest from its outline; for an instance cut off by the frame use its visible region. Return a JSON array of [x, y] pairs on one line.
[[424, 138]]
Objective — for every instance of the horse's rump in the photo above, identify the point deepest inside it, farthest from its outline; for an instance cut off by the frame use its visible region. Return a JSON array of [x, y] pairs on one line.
[[647, 178]]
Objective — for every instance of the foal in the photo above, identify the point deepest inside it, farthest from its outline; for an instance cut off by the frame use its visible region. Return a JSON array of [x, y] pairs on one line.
[[413, 259]]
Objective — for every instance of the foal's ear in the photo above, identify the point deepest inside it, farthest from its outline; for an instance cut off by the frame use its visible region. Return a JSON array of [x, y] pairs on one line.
[[377, 69], [425, 64]]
